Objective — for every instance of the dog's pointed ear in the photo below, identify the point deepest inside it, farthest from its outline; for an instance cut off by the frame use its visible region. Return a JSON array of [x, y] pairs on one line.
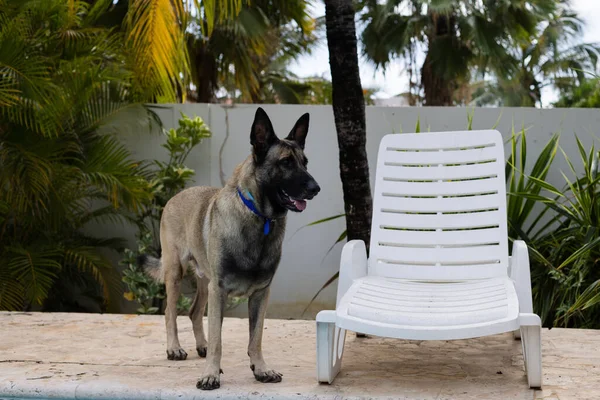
[[262, 135], [300, 130]]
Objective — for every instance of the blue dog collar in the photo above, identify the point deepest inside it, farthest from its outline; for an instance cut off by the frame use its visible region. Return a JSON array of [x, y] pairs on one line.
[[249, 202]]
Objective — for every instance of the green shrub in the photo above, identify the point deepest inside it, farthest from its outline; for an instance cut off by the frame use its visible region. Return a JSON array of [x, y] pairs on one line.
[[165, 180]]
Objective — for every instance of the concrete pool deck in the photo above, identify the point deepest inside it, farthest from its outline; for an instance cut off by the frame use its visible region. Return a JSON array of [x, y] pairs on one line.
[[90, 356]]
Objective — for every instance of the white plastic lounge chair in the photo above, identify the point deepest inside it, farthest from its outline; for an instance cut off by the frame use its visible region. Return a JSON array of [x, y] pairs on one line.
[[439, 267]]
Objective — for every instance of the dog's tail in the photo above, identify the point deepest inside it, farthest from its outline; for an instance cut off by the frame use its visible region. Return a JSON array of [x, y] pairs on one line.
[[151, 266]]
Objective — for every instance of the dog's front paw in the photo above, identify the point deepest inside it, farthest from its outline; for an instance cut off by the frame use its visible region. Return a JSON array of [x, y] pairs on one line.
[[209, 382], [201, 351], [266, 376], [176, 354]]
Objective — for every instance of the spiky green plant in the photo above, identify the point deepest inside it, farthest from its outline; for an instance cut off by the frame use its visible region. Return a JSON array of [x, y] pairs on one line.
[[566, 250], [523, 220]]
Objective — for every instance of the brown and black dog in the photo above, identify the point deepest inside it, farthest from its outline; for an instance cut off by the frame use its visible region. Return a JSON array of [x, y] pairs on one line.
[[232, 239]]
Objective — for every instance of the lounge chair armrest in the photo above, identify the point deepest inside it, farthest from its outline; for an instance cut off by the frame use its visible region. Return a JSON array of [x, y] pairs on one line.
[[520, 274], [353, 265]]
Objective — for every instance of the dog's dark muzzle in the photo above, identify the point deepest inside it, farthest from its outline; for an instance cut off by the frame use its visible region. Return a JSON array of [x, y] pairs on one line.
[[312, 189], [297, 201]]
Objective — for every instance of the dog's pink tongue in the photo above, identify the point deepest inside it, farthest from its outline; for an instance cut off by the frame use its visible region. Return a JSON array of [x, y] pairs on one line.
[[300, 204]]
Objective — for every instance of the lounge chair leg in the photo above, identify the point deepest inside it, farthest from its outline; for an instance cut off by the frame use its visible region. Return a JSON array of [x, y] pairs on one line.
[[531, 340], [330, 346], [517, 334]]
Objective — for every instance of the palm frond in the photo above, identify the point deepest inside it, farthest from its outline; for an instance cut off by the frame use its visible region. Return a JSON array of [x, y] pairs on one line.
[[98, 8], [90, 259], [26, 168], [108, 166], [386, 34], [216, 11], [35, 269], [156, 39], [26, 88]]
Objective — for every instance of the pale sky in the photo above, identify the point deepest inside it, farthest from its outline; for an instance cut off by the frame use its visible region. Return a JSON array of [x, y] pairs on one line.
[[394, 80]]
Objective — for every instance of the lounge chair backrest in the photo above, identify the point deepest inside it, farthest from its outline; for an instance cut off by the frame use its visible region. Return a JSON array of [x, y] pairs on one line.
[[439, 209]]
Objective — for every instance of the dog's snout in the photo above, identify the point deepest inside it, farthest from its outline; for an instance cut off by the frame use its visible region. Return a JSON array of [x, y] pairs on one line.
[[313, 188]]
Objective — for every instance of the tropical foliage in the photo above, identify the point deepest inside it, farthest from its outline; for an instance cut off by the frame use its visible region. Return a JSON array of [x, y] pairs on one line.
[[73, 73], [62, 88], [518, 47], [554, 56], [239, 51], [153, 36], [454, 35], [584, 95], [246, 56]]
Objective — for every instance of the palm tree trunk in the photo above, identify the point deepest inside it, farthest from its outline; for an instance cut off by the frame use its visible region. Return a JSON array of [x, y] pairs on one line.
[[349, 113], [205, 69], [438, 92]]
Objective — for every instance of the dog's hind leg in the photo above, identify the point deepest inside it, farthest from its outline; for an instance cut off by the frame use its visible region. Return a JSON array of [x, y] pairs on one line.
[[173, 277], [257, 308], [197, 314]]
